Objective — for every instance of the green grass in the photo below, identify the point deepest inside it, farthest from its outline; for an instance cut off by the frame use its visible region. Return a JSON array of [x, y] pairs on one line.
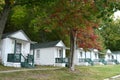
[[81, 73], [4, 68]]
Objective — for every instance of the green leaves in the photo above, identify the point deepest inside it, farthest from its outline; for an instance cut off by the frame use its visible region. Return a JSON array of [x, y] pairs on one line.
[[59, 15], [111, 34], [1, 5]]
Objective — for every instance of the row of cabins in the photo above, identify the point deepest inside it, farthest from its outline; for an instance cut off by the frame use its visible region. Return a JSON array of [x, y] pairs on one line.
[[17, 50]]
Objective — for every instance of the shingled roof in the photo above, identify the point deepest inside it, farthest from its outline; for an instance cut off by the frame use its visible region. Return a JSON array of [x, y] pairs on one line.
[[6, 35], [116, 52], [45, 45]]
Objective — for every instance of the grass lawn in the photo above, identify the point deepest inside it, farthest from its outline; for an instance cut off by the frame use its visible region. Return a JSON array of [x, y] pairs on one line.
[[4, 68], [81, 73]]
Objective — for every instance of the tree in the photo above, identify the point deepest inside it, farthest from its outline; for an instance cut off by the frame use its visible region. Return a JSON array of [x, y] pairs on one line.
[[88, 39], [30, 18], [110, 31], [7, 5], [4, 14], [71, 15]]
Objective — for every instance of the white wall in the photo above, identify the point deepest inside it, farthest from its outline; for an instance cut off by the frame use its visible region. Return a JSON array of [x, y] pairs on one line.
[[76, 56], [19, 35], [7, 47], [56, 52], [117, 56], [46, 56], [93, 57], [64, 52], [56, 55], [89, 54], [0, 52], [60, 44], [25, 48], [108, 57]]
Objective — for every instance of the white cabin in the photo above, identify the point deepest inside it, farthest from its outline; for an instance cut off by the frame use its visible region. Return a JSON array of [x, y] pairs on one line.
[[109, 57], [14, 49], [50, 53], [116, 56], [85, 58]]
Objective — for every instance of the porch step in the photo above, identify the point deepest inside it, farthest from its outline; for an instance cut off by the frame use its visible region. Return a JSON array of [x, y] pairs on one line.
[[116, 62], [89, 61], [26, 65], [103, 61]]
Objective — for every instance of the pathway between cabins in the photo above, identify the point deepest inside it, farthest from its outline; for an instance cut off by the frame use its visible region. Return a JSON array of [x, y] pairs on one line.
[[41, 69]]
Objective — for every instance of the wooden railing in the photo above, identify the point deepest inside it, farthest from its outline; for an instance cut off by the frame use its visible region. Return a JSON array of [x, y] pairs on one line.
[[14, 57], [86, 60], [61, 60], [113, 60]]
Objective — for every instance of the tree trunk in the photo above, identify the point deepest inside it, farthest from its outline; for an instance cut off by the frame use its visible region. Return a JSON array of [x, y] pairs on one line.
[[73, 36], [3, 16]]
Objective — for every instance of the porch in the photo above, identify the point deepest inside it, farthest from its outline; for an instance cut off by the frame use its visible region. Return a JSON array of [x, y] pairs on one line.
[[61, 60], [100, 61], [86, 60], [20, 60], [112, 61]]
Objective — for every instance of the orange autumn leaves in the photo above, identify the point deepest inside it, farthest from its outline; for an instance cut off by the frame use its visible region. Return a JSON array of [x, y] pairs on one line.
[[78, 16], [88, 39]]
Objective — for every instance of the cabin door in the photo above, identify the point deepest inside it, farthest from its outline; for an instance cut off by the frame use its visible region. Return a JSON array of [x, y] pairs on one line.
[[18, 48]]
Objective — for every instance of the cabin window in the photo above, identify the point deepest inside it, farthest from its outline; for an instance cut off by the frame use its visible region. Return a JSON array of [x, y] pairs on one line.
[[95, 55], [112, 57], [60, 53], [38, 54], [80, 54], [109, 56]]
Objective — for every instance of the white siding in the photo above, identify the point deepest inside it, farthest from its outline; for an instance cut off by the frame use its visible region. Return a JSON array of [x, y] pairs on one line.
[[6, 49], [46, 57], [56, 55], [80, 54], [19, 35], [108, 56], [60, 44], [118, 57], [25, 48], [0, 52], [93, 55], [64, 51], [87, 54]]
